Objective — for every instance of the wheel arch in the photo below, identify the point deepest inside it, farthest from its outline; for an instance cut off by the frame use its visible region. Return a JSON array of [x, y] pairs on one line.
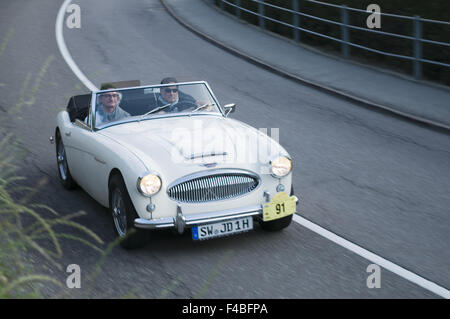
[[115, 172]]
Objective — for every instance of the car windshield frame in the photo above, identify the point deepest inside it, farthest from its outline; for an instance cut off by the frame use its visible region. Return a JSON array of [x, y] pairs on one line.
[[139, 118]]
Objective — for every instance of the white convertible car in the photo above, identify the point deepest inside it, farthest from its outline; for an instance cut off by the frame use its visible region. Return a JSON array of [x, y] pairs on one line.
[[168, 156]]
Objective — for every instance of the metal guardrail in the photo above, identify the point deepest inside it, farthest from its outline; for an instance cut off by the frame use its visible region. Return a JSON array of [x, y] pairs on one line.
[[345, 26]]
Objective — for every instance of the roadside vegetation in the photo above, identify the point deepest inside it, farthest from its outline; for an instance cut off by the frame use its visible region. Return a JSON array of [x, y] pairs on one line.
[[436, 10], [31, 233]]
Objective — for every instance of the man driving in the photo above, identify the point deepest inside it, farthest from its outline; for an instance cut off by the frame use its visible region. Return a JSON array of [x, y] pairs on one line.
[[168, 94], [172, 96]]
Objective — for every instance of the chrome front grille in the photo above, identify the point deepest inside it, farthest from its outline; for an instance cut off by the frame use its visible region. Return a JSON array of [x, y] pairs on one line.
[[212, 187]]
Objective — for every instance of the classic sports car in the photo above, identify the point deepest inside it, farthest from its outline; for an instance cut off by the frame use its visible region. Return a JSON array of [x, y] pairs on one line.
[[168, 156]]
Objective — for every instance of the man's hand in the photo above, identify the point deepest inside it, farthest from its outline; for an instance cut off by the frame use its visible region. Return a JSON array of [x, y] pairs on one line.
[[207, 108]]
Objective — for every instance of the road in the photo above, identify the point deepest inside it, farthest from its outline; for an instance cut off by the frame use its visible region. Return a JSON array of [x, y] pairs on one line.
[[377, 181]]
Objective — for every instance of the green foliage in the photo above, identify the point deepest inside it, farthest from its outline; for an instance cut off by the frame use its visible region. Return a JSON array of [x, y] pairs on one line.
[[23, 230], [26, 230]]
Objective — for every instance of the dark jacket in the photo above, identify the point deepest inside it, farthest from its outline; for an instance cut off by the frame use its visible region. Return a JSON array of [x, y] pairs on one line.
[[185, 101]]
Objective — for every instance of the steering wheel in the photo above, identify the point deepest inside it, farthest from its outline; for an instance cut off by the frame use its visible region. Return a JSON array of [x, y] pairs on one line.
[[184, 105]]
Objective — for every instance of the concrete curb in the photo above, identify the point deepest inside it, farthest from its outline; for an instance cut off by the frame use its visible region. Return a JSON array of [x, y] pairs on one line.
[[340, 94]]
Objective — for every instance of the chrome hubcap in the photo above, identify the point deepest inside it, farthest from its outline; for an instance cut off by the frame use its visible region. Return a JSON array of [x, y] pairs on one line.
[[61, 159], [118, 212]]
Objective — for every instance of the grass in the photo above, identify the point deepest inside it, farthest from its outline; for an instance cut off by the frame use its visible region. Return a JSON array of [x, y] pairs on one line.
[[29, 230], [33, 235], [26, 230]]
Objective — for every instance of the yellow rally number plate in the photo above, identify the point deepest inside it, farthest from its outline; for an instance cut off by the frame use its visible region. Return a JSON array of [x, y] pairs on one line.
[[280, 206]]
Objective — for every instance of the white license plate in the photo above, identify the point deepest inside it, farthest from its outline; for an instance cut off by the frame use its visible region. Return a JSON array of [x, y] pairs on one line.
[[224, 228]]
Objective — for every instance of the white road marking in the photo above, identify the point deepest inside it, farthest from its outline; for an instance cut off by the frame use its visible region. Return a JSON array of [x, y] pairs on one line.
[[400, 271], [65, 52]]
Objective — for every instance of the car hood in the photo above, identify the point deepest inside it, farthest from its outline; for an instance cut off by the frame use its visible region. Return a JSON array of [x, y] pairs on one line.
[[178, 146]]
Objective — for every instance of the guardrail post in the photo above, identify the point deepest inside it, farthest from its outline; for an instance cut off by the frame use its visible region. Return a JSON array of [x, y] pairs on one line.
[[261, 14], [344, 32], [296, 20], [417, 47], [238, 9]]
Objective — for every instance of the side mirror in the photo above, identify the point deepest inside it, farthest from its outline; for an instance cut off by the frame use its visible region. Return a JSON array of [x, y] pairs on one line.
[[229, 108]]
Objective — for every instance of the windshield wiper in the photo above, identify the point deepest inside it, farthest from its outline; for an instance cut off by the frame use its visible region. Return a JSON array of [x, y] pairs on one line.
[[154, 110], [203, 106]]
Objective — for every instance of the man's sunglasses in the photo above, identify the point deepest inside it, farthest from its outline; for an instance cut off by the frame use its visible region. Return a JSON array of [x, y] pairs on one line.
[[171, 90]]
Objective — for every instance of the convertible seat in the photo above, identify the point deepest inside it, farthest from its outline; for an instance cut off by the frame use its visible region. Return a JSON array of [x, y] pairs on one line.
[[78, 107]]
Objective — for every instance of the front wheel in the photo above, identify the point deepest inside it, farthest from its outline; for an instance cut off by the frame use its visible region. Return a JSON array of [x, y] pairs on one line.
[[123, 215], [277, 224], [63, 168]]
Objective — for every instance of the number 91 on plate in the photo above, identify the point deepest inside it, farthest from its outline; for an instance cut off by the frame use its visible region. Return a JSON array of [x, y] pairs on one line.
[[280, 206]]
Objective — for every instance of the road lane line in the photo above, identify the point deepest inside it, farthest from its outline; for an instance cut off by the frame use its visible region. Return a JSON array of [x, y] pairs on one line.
[[65, 52], [400, 271]]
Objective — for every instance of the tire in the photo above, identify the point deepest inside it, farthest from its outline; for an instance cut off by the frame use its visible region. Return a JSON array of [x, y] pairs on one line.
[[278, 224], [123, 215], [63, 168]]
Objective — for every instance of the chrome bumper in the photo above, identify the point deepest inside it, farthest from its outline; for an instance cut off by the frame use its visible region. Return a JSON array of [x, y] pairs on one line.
[[180, 222]]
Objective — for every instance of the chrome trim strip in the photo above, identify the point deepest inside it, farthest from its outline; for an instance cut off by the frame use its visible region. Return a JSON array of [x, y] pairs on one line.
[[150, 86], [154, 223], [202, 155], [202, 218], [99, 160], [82, 124], [92, 110], [181, 221], [135, 119]]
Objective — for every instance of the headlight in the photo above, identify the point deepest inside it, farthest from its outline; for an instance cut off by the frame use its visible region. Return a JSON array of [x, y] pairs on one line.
[[281, 166], [149, 184]]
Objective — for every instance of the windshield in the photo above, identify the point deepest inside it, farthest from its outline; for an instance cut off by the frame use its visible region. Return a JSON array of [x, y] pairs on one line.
[[124, 105]]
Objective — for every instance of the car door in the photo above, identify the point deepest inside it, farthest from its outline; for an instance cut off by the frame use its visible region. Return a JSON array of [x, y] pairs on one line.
[[87, 158], [75, 138], [97, 166]]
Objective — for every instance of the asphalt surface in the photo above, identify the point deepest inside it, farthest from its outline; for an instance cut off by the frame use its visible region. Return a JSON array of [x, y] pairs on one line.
[[374, 87], [377, 181]]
